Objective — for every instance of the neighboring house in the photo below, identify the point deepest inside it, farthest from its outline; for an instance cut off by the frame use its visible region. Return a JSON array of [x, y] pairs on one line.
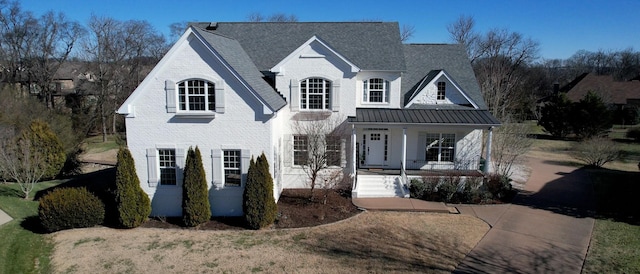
[[617, 93], [236, 90]]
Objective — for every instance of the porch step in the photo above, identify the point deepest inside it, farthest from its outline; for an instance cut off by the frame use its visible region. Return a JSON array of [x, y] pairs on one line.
[[378, 186]]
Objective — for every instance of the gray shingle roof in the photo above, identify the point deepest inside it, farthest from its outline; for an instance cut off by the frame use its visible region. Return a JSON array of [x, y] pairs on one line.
[[422, 59], [237, 58], [425, 116], [368, 45]]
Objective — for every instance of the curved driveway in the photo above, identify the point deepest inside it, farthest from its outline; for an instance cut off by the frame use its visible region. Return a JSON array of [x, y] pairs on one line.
[[547, 228]]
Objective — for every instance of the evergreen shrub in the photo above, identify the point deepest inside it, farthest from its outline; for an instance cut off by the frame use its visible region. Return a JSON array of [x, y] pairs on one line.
[[132, 203], [66, 208], [196, 209], [260, 208]]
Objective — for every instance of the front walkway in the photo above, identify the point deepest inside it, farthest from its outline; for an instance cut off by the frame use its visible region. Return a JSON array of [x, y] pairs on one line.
[[547, 228], [402, 204], [4, 217]]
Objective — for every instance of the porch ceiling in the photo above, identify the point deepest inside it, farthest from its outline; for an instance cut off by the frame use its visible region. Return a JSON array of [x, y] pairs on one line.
[[471, 117]]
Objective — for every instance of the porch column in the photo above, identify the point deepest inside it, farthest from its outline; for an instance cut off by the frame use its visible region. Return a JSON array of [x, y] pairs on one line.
[[487, 161], [353, 150], [404, 148]]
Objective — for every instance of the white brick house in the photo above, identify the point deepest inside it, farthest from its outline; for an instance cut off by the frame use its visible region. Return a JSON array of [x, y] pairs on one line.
[[235, 90]]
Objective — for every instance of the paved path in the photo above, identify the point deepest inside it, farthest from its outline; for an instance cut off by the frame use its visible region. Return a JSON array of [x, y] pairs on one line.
[[547, 229], [4, 217], [401, 204]]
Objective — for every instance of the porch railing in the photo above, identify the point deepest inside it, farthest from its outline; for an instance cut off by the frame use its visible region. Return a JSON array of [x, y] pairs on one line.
[[433, 165]]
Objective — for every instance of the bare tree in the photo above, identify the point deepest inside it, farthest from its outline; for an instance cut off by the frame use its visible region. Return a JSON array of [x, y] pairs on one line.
[[33, 49], [509, 145], [120, 55], [22, 161], [276, 17], [322, 137], [462, 32], [595, 151], [406, 32]]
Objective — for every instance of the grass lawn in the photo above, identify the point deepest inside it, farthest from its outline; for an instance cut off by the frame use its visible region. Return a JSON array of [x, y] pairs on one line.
[[371, 242], [21, 249], [95, 145], [615, 244]]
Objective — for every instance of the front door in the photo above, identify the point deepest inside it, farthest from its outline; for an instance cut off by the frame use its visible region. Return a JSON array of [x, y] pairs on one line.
[[375, 145]]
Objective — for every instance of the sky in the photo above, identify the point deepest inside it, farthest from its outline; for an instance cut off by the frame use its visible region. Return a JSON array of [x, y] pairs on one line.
[[561, 27]]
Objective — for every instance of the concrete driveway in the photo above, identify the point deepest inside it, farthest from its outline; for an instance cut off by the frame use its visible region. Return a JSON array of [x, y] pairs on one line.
[[547, 228]]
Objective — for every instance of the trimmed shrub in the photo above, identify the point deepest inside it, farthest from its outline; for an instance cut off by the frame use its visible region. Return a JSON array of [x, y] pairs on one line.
[[500, 187], [132, 203], [66, 208], [42, 138], [196, 209], [417, 189], [260, 208]]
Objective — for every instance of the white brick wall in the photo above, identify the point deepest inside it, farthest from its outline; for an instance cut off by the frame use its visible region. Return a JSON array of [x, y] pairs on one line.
[[242, 126]]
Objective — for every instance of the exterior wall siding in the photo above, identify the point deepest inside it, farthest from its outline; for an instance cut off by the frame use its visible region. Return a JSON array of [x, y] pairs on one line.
[[242, 126]]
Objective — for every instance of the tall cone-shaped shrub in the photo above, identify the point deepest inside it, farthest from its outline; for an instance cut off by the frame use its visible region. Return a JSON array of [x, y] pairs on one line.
[[195, 199], [259, 206], [132, 202]]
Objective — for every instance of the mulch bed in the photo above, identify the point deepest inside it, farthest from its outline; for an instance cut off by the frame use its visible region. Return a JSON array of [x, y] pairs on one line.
[[295, 209]]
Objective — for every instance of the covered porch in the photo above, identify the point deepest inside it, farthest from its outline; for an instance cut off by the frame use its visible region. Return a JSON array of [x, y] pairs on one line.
[[391, 145]]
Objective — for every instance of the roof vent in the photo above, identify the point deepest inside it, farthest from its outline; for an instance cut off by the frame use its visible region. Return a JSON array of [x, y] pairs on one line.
[[212, 26]]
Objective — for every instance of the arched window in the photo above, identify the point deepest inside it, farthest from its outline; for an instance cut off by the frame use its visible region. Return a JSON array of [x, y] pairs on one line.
[[315, 94], [376, 90], [196, 95]]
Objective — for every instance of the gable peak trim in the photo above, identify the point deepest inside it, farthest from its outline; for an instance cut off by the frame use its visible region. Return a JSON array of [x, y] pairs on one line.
[[298, 53]]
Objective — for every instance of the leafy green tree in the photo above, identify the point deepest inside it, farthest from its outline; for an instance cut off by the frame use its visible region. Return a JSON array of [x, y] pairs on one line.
[[196, 209], [259, 205], [554, 116], [590, 116], [132, 202]]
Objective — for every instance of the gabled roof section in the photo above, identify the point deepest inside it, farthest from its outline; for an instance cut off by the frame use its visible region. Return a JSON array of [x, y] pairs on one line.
[[299, 52], [430, 78], [230, 53], [240, 63], [611, 91], [368, 45], [422, 59]]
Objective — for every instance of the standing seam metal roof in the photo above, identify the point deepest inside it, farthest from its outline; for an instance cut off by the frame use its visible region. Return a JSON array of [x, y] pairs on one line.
[[425, 116]]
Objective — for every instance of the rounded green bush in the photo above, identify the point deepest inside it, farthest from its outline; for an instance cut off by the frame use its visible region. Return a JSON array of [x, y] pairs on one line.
[[66, 208]]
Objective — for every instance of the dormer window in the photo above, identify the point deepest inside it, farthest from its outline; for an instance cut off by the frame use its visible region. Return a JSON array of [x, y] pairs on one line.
[[196, 95], [375, 90], [442, 87], [315, 94]]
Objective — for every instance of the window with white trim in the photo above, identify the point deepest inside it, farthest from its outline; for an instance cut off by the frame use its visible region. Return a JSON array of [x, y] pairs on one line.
[[167, 163], [440, 147], [333, 150], [315, 94], [300, 150], [442, 88], [196, 95], [375, 90], [232, 169]]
